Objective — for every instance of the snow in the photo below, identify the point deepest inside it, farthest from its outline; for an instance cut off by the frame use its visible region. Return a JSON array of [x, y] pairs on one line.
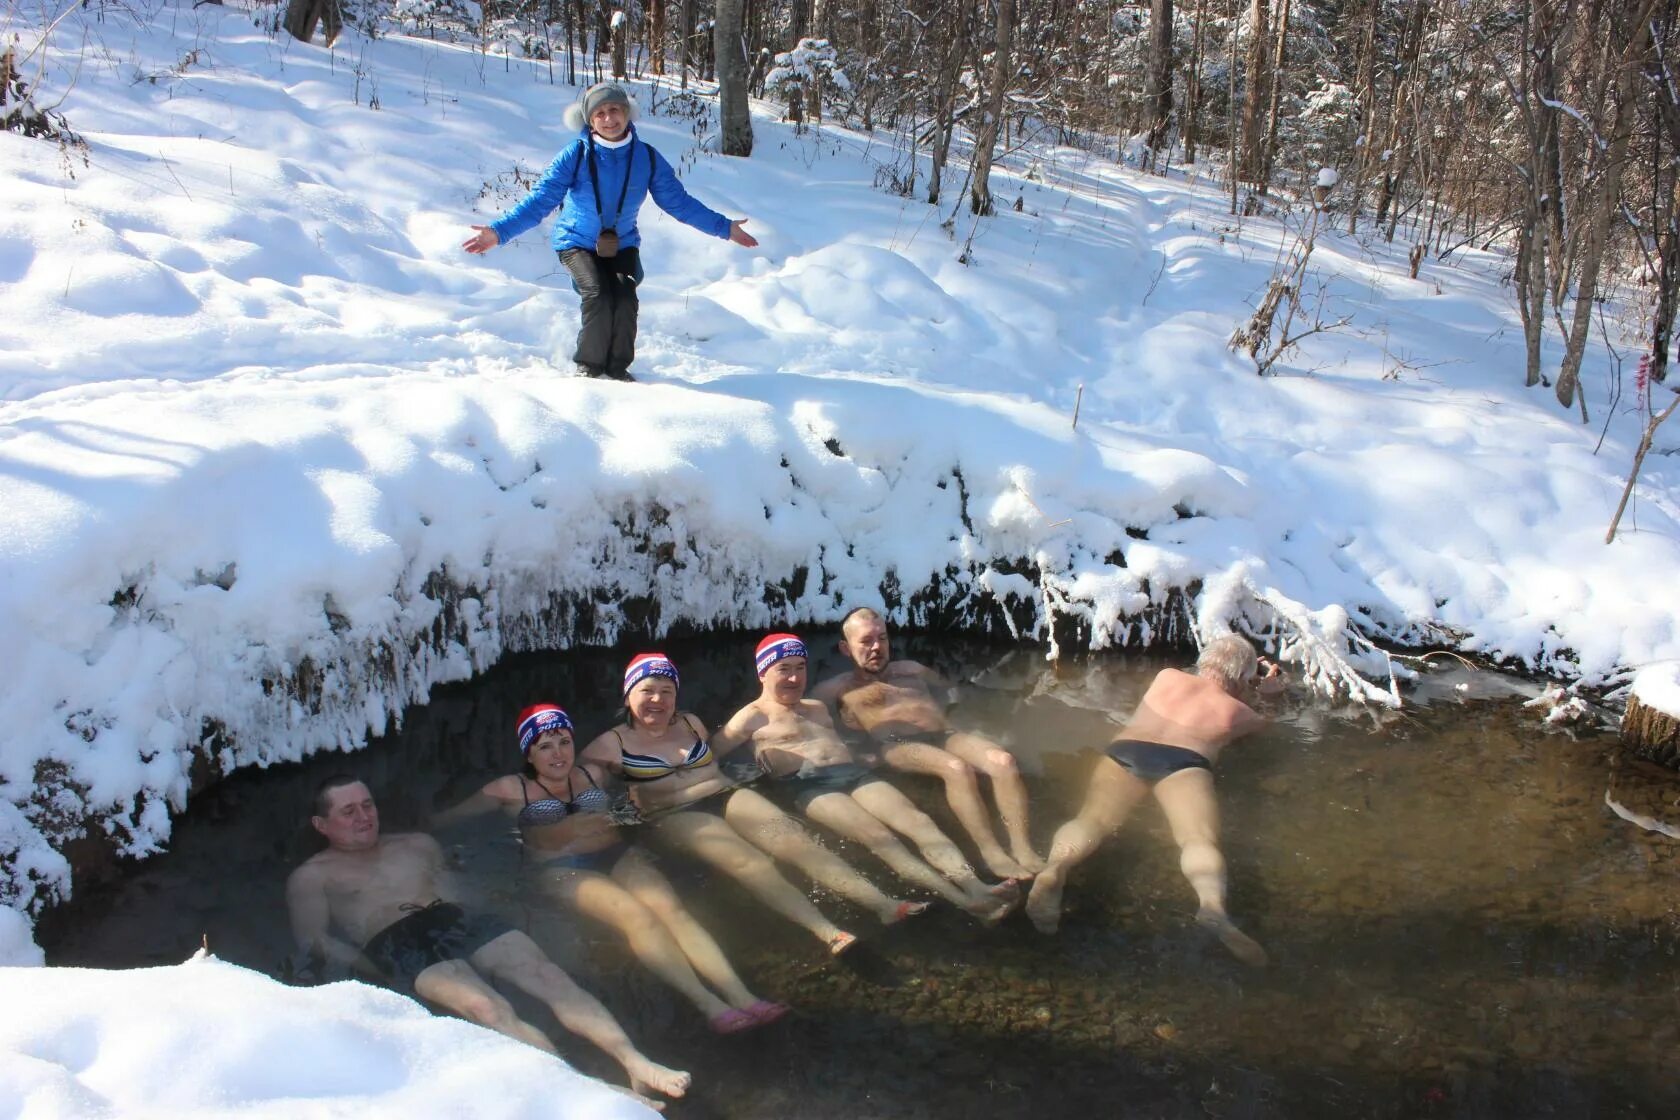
[[17, 941], [277, 457], [210, 1039], [1658, 687]]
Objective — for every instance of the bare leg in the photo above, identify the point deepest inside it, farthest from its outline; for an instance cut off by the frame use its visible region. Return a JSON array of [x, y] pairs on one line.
[[839, 812], [962, 790], [887, 804], [607, 901], [1007, 786], [654, 892], [1187, 798], [763, 824], [1112, 794], [715, 842], [515, 959], [454, 985]]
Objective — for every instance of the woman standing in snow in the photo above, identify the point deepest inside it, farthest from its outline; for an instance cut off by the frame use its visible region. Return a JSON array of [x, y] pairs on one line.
[[599, 182], [583, 862]]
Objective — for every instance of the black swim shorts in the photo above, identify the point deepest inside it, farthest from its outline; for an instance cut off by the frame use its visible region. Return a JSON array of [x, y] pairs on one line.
[[430, 935]]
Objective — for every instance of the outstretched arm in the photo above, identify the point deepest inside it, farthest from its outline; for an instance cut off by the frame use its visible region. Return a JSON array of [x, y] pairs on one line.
[[673, 198], [476, 805]]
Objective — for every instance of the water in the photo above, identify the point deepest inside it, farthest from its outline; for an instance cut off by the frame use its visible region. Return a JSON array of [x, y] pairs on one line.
[[1458, 925]]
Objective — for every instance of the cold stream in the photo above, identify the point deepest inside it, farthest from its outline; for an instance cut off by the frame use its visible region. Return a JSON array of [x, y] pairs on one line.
[[1458, 924]]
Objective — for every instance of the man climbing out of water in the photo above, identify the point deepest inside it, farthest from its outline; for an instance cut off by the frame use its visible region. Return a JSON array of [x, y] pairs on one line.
[[391, 896], [894, 702], [599, 181], [794, 742], [1182, 723]]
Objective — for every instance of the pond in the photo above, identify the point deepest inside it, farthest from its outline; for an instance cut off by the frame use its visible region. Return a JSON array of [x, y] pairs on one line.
[[1458, 925]]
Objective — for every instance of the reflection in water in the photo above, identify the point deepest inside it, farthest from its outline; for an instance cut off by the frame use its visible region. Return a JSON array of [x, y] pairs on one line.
[[1459, 925]]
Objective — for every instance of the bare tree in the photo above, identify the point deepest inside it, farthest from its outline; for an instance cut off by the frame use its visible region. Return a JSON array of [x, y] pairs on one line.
[[303, 15], [985, 139], [1158, 82], [730, 49]]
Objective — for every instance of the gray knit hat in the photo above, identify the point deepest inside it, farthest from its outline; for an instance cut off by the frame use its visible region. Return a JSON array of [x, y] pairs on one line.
[[601, 93]]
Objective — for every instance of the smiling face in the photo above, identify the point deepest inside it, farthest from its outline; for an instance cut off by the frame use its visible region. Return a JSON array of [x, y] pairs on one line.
[[865, 642], [609, 121], [652, 703], [784, 682], [553, 755], [351, 823]]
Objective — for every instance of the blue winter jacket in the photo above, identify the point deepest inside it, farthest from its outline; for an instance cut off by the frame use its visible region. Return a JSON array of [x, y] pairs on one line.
[[566, 184]]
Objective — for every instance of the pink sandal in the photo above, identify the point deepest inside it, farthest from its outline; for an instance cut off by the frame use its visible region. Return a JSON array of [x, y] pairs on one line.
[[764, 1011], [733, 1021]]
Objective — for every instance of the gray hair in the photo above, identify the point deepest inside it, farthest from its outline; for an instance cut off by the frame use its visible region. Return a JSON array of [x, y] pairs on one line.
[[1228, 659]]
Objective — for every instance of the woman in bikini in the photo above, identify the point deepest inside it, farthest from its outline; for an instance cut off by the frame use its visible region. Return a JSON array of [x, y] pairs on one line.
[[583, 862], [674, 780]]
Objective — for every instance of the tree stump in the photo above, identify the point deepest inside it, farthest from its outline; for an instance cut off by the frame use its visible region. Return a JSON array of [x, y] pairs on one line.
[[303, 15], [1651, 734]]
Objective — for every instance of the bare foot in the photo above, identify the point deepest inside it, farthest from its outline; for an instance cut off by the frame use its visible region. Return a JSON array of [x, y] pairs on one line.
[[1004, 866], [1044, 901], [1029, 860], [840, 942], [649, 1077], [1242, 946], [994, 903]]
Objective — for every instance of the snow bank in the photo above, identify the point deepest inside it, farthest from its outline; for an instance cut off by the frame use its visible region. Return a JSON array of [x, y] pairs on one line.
[[276, 457], [210, 1039], [17, 941], [1658, 687]]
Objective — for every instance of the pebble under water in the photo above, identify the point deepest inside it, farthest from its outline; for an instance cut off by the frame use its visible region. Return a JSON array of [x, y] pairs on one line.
[[1458, 924]]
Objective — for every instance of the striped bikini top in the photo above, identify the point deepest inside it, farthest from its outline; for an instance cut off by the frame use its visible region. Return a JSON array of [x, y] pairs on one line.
[[649, 768], [553, 810]]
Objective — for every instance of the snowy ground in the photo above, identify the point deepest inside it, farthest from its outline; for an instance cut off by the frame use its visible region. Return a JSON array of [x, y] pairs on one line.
[[209, 1039], [276, 456]]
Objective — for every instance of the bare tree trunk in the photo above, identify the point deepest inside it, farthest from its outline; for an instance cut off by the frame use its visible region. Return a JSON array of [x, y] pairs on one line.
[[656, 35], [1255, 84], [980, 189], [733, 109], [819, 30], [1605, 201], [620, 45], [1158, 71], [1531, 290], [1193, 86], [950, 70], [1231, 112], [1366, 82], [303, 15], [1268, 154], [1665, 195]]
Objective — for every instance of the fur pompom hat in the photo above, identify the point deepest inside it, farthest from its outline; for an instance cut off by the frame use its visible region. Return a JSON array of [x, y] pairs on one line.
[[601, 93]]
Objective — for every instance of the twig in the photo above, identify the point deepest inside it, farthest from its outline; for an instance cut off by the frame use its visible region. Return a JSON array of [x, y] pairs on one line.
[[1638, 460]]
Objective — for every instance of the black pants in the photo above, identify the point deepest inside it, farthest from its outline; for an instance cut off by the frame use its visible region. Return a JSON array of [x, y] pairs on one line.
[[607, 341]]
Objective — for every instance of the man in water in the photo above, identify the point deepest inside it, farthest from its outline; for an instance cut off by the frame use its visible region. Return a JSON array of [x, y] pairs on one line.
[[1169, 747], [793, 741], [894, 703], [390, 895]]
